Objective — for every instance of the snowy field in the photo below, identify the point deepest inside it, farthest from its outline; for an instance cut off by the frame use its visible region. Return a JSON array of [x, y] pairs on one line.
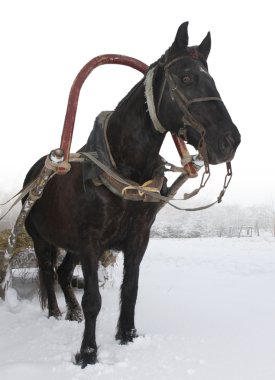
[[205, 311]]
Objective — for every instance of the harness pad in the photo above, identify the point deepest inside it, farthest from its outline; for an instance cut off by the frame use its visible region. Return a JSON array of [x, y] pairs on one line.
[[97, 142]]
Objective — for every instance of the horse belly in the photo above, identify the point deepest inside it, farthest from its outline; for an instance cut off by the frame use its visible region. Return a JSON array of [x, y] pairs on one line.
[[73, 219]]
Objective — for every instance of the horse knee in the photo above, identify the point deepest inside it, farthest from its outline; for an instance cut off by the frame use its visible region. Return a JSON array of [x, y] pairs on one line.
[[91, 305]]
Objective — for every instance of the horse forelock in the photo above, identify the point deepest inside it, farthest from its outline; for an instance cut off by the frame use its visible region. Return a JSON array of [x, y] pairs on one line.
[[192, 52], [172, 54]]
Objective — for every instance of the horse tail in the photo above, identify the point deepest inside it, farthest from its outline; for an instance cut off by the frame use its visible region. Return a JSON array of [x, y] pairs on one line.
[[42, 291], [49, 265]]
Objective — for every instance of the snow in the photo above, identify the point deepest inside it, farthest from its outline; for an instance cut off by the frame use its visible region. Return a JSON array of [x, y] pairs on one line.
[[205, 311]]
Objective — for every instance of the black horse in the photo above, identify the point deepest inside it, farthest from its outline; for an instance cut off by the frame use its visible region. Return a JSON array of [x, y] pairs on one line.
[[88, 219]]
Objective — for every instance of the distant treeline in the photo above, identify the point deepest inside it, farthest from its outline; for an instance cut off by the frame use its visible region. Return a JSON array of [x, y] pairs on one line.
[[220, 220]]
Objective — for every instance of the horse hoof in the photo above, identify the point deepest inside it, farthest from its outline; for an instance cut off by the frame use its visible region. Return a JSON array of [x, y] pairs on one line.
[[126, 337], [84, 358], [55, 313], [74, 315]]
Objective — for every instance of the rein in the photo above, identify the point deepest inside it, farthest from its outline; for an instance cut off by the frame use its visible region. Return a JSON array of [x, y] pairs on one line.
[[154, 192]]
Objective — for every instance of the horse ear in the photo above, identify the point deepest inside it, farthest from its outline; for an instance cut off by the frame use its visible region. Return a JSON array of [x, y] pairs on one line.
[[181, 40], [205, 46]]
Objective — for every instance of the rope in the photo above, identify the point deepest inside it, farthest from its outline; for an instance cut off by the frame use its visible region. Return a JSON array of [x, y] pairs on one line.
[[22, 193], [60, 168], [144, 186]]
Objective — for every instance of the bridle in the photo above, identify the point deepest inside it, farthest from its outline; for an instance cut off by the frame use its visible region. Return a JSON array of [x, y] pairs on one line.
[[179, 98], [183, 103]]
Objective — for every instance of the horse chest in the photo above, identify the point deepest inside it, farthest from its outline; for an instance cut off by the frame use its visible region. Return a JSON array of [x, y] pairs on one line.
[[130, 222]]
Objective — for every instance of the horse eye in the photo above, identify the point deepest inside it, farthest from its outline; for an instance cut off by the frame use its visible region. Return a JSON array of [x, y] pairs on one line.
[[187, 78]]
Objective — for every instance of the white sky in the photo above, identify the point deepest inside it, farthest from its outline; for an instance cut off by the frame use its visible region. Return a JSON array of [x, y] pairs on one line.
[[45, 43]]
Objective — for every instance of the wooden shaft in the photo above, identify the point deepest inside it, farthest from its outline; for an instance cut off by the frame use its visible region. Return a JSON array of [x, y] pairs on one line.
[[183, 151], [68, 128]]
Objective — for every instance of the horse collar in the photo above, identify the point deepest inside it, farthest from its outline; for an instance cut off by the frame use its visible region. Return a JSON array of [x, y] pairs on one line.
[[150, 101]]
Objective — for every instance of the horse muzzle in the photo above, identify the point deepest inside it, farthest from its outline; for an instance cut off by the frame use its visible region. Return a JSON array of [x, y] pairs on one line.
[[224, 149]]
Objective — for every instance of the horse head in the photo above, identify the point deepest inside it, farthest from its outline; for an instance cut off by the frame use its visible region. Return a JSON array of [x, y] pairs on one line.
[[185, 100]]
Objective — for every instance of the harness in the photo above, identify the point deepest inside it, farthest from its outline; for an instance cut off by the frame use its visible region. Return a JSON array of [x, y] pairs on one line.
[[99, 167], [150, 190], [131, 190], [58, 161]]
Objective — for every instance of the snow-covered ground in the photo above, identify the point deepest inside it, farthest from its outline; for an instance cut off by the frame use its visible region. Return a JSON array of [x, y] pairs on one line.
[[206, 311]]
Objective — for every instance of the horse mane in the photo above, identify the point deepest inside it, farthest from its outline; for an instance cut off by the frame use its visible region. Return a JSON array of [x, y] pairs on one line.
[[137, 85], [129, 94]]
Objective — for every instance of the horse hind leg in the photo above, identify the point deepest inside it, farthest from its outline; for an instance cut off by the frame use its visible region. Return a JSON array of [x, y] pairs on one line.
[[65, 273]]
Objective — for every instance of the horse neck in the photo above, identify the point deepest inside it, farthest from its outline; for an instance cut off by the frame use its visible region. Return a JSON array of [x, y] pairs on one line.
[[133, 141]]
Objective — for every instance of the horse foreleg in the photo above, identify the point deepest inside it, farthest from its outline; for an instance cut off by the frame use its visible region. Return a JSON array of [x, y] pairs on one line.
[[65, 275], [126, 330], [91, 304]]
